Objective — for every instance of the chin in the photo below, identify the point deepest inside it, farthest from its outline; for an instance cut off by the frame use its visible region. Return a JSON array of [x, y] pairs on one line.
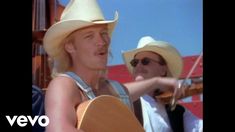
[[102, 67]]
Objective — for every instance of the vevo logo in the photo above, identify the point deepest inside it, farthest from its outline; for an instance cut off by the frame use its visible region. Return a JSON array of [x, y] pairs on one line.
[[23, 120]]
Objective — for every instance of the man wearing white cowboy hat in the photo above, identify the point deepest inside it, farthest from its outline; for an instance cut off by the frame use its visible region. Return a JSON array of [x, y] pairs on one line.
[[79, 43], [79, 46], [158, 59]]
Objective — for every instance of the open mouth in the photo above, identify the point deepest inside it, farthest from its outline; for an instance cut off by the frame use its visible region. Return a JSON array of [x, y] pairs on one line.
[[102, 52]]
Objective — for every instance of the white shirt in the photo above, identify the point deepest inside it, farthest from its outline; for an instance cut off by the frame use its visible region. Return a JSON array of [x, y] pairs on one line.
[[155, 118]]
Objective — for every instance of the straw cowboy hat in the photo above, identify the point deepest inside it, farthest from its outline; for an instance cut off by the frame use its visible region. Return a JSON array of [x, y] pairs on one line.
[[77, 14], [169, 53]]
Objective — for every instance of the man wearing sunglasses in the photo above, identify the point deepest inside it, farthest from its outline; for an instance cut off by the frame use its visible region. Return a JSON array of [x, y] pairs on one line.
[[158, 59]]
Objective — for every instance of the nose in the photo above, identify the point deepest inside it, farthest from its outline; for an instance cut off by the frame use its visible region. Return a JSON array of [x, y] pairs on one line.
[[137, 70], [138, 67], [102, 40]]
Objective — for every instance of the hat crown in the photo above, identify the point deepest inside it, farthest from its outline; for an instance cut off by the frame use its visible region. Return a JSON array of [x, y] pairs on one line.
[[86, 10], [149, 41], [145, 41]]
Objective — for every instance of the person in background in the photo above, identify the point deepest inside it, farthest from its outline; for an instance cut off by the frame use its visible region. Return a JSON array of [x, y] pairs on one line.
[[151, 59], [37, 107]]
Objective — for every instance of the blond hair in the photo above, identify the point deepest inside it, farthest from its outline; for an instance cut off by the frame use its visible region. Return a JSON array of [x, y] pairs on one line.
[[62, 62]]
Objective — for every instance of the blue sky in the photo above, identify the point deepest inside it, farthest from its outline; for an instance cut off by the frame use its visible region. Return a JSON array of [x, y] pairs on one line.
[[178, 22]]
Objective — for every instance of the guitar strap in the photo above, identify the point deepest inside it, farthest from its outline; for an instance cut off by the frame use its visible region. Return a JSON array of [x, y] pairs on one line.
[[138, 111], [176, 117], [84, 87]]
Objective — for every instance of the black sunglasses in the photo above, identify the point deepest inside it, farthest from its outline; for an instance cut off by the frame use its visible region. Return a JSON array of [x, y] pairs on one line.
[[144, 61]]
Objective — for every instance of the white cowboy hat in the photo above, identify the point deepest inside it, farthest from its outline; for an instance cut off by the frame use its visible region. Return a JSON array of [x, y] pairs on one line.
[[169, 53], [76, 15]]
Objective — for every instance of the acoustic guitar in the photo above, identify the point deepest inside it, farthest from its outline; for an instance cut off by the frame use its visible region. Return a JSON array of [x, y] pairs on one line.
[[106, 114]]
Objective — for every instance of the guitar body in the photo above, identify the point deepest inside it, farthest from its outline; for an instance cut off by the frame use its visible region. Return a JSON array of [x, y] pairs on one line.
[[106, 114]]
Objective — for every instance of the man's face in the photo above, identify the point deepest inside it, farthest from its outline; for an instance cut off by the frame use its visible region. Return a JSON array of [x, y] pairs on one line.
[[91, 47], [150, 66]]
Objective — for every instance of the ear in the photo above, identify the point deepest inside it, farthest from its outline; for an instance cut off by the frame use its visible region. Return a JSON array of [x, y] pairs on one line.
[[69, 47]]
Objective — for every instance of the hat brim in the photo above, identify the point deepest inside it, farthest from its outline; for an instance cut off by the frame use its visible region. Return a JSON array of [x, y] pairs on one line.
[[173, 59], [59, 31]]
